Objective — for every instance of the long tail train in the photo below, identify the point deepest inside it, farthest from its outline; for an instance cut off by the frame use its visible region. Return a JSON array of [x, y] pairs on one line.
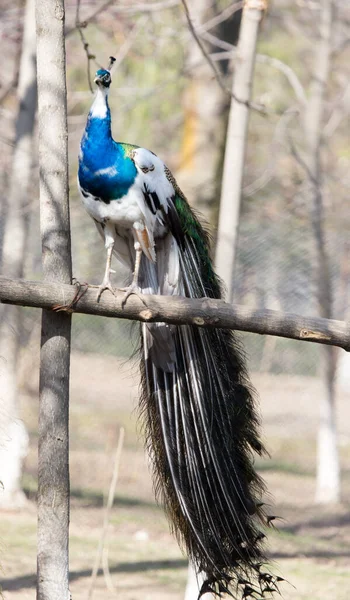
[[202, 429]]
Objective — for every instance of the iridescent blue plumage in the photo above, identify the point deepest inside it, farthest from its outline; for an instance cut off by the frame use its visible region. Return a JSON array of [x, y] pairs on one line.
[[105, 169]]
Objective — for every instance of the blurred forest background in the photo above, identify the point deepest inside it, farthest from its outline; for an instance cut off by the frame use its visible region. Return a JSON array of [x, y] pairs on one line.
[[292, 252]]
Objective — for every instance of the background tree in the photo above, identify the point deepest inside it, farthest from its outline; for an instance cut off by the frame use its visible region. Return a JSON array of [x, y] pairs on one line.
[[53, 444], [328, 470], [236, 138], [13, 436], [205, 103]]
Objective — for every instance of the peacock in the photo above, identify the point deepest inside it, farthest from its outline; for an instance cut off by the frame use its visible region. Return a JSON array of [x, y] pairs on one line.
[[198, 406]]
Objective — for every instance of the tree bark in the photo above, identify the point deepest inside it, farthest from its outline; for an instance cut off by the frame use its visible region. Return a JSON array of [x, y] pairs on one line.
[[53, 465], [328, 470], [203, 312], [193, 585], [236, 141], [13, 435], [203, 104]]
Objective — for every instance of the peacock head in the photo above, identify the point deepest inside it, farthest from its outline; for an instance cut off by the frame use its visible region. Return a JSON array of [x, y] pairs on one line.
[[103, 76]]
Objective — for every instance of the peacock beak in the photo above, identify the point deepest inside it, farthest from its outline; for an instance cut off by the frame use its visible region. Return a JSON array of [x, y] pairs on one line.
[[103, 80]]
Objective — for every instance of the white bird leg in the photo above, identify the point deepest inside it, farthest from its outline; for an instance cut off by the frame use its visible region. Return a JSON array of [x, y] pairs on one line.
[[133, 288], [106, 282], [109, 232], [138, 250]]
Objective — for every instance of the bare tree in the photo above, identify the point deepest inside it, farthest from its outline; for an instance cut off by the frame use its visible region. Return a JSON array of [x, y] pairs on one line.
[[193, 585], [53, 464], [203, 103], [328, 473], [236, 141], [13, 436]]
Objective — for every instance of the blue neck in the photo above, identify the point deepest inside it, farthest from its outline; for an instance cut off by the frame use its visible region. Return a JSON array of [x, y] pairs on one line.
[[97, 145], [104, 170], [98, 128]]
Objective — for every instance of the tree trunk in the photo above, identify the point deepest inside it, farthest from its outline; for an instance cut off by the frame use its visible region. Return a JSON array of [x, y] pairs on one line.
[[13, 436], [236, 142], [203, 103], [328, 474], [193, 585], [53, 465]]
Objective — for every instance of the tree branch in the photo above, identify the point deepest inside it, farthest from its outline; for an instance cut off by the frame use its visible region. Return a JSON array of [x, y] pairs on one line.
[[231, 52], [79, 26], [221, 17], [212, 65], [126, 9], [291, 76], [204, 312]]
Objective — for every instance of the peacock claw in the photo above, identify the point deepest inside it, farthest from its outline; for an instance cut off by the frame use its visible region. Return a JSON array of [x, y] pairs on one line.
[[133, 288], [105, 285]]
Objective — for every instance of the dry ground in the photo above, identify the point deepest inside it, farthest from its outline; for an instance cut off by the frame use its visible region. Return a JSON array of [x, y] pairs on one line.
[[311, 549]]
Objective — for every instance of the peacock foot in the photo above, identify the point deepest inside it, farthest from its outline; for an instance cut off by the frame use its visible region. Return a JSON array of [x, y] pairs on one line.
[[105, 285], [133, 288]]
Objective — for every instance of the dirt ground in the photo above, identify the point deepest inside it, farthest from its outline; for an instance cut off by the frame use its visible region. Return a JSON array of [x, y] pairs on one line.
[[311, 548]]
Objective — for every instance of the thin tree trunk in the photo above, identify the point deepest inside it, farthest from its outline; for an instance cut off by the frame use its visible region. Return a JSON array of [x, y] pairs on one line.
[[203, 103], [236, 142], [193, 586], [328, 473], [53, 466], [13, 436]]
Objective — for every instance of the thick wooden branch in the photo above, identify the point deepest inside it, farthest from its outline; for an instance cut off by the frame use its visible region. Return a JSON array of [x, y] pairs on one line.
[[203, 312]]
